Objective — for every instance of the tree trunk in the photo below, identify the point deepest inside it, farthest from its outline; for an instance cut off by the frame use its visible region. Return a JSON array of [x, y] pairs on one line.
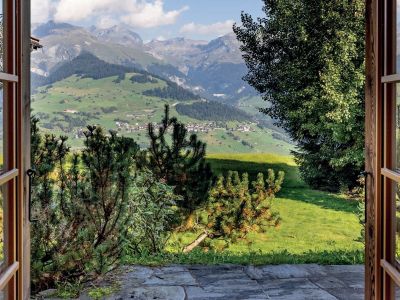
[[196, 242]]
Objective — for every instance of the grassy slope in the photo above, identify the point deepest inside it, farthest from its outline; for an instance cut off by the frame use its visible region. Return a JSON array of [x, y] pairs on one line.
[[88, 95], [316, 226]]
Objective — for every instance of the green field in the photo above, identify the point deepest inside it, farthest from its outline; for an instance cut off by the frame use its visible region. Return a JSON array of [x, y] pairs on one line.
[[86, 101], [316, 227]]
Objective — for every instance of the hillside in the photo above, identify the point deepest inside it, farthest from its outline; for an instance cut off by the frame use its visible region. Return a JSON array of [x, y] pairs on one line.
[[90, 91], [213, 69]]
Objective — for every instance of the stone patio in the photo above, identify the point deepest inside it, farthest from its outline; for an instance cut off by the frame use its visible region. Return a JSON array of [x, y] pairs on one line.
[[240, 282]]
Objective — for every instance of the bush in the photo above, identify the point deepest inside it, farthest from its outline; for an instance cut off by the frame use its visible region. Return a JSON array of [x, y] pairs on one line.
[[155, 214], [236, 209], [93, 209]]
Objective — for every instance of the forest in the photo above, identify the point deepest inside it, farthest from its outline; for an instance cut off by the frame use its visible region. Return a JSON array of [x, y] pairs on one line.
[[212, 111], [172, 91]]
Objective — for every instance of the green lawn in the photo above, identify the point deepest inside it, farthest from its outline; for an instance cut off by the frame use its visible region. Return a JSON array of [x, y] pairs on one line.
[[254, 163], [316, 227]]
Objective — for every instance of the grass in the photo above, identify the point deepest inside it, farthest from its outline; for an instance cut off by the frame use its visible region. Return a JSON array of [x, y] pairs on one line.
[[199, 257], [254, 163], [316, 227]]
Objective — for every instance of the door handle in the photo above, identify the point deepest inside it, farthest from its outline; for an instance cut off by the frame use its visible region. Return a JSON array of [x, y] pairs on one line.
[[31, 174]]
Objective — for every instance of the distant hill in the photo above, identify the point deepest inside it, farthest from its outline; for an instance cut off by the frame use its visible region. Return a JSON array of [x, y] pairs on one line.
[[80, 95], [86, 65]]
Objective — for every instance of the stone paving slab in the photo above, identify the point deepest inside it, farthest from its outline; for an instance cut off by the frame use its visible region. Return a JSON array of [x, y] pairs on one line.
[[199, 282]]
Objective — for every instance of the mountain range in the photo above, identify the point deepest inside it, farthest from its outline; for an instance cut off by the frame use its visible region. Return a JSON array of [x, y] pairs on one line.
[[213, 69]]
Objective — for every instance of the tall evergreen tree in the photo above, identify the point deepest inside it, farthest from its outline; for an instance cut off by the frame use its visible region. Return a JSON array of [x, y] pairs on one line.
[[179, 160], [306, 58]]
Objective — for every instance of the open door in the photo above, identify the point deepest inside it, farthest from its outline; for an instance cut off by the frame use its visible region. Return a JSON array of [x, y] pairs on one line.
[[14, 149], [383, 150]]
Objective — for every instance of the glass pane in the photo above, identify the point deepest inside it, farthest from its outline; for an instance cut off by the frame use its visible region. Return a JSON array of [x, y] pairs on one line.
[[396, 291]]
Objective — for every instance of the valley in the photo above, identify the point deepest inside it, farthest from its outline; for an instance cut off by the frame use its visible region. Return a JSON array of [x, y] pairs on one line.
[[67, 106], [112, 78]]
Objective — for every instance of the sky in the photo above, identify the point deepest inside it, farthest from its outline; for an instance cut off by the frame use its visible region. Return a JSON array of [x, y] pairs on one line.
[[152, 19]]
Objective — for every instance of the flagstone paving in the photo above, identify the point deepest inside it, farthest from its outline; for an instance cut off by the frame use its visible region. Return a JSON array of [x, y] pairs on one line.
[[288, 282], [242, 282]]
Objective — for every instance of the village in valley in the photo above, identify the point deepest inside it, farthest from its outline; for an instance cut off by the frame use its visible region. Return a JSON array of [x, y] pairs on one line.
[[125, 127]]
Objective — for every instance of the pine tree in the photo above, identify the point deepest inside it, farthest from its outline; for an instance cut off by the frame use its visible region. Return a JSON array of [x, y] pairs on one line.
[[236, 209], [179, 163]]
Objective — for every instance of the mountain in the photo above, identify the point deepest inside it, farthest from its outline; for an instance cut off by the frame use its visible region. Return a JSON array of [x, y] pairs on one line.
[[215, 69], [86, 65], [212, 69], [178, 51], [51, 27], [118, 34], [63, 42]]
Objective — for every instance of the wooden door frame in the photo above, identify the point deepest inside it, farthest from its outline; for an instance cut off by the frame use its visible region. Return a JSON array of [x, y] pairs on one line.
[[23, 28], [381, 270], [15, 277], [373, 138]]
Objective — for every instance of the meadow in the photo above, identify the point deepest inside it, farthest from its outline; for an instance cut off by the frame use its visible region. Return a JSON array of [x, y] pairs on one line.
[[316, 227]]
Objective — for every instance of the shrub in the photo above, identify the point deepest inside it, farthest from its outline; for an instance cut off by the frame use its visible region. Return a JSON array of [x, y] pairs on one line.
[[154, 215], [236, 209], [95, 209]]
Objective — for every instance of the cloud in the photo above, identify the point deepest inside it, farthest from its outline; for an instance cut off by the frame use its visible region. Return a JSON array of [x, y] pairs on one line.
[[147, 15], [137, 13], [219, 28], [40, 11]]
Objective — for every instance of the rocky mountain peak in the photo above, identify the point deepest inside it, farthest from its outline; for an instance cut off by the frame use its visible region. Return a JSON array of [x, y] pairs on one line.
[[51, 27], [119, 34]]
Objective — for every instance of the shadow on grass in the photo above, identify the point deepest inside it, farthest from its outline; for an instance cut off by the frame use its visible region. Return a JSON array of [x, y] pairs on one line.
[[337, 257], [322, 199], [292, 176]]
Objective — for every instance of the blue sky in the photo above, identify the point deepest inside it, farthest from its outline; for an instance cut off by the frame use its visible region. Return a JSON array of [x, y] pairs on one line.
[[162, 19]]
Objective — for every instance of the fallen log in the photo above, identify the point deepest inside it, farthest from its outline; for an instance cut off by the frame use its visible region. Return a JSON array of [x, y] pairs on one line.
[[196, 242]]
